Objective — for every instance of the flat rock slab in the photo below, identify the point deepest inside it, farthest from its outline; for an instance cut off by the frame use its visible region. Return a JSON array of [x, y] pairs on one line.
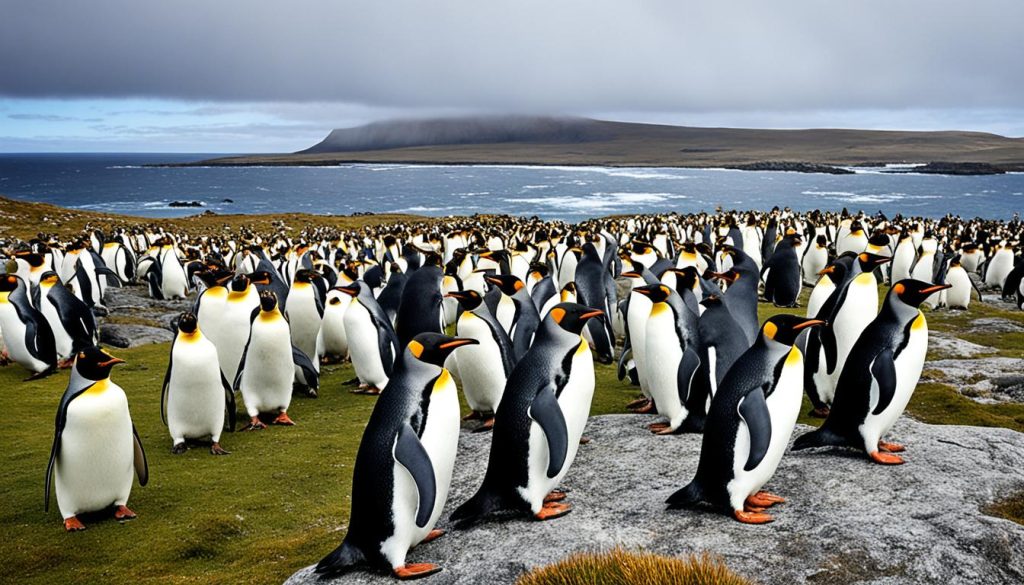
[[986, 380], [119, 335], [846, 520], [943, 346]]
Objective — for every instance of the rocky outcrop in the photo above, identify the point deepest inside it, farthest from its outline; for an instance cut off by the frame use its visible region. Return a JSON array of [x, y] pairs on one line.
[[961, 168], [793, 167], [127, 335], [846, 520]]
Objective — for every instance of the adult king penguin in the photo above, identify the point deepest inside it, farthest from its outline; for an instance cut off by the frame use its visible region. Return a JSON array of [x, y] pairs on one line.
[[267, 368], [372, 342], [748, 427], [95, 445], [879, 377], [404, 465], [26, 331], [196, 399], [537, 430], [73, 324]]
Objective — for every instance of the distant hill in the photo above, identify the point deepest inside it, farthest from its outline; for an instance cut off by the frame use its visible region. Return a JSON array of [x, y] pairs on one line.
[[581, 141]]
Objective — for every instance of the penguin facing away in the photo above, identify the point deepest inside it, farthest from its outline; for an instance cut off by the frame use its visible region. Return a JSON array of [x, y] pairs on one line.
[[879, 376], [749, 425], [538, 427], [95, 448], [196, 400], [404, 465]]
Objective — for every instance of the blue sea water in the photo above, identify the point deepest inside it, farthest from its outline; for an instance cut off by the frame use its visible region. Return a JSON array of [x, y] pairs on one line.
[[120, 183]]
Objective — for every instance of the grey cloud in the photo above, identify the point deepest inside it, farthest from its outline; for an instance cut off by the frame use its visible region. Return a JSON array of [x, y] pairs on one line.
[[525, 55], [42, 117]]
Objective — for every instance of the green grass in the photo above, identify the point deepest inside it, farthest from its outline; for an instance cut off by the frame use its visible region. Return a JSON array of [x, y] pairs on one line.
[[280, 500], [1010, 507]]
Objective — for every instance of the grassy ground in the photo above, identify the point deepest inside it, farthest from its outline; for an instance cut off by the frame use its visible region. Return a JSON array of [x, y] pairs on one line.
[[277, 503]]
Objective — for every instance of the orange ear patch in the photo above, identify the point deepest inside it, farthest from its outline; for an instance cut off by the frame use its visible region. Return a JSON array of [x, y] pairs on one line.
[[558, 314], [899, 288], [416, 348]]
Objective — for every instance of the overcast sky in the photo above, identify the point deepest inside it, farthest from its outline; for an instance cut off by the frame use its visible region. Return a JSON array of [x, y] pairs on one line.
[[260, 76]]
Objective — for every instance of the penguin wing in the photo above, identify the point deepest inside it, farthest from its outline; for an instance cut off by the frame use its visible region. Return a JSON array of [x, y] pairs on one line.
[[688, 367], [229, 404], [883, 375], [300, 359], [112, 278], [410, 453], [974, 285], [141, 464], [62, 418], [166, 386], [546, 412], [753, 411], [827, 337]]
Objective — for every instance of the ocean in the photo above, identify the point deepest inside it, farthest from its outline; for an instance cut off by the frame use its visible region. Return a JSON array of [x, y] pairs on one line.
[[121, 183]]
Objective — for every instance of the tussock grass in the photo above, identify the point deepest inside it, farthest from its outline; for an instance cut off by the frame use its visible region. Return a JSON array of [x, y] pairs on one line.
[[621, 567], [1010, 507]]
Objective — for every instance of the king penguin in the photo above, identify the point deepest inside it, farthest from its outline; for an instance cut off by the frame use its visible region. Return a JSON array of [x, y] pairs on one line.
[[267, 367], [749, 425], [372, 342], [73, 324], [403, 468], [95, 444], [880, 376], [537, 430], [26, 331], [484, 368]]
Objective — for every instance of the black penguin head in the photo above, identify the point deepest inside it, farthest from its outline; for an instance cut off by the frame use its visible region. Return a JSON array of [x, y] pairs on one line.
[[268, 301], [712, 300], [49, 278], [239, 283], [636, 269], [187, 323], [869, 261], [685, 277], [913, 292], [94, 363], [305, 275], [786, 328], [507, 283], [836, 271], [573, 316], [656, 292], [9, 283], [729, 276], [468, 299], [434, 348]]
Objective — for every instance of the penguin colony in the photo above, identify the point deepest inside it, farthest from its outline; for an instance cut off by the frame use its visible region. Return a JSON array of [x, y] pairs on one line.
[[532, 306]]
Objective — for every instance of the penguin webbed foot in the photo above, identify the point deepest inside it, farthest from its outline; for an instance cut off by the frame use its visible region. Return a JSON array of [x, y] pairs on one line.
[[639, 402], [416, 571], [891, 447], [886, 458], [433, 535], [179, 448], [123, 513], [73, 524], [255, 424], [282, 419], [487, 425], [761, 500], [645, 407], [216, 449], [552, 510], [660, 428], [752, 517], [555, 496]]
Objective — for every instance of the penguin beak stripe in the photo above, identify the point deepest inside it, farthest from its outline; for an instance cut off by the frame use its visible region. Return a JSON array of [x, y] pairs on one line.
[[630, 275], [459, 343], [642, 291], [110, 362], [811, 323], [936, 288], [591, 314], [882, 260]]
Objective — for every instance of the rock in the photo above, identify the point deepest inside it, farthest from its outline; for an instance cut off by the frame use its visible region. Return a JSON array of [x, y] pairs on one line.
[[995, 325], [793, 167], [942, 345], [185, 204], [962, 168], [846, 519], [119, 335], [985, 380]]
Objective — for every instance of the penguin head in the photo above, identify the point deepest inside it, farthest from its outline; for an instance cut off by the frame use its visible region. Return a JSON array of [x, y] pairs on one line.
[[913, 292], [572, 317], [187, 323], [785, 329], [469, 299], [434, 348], [658, 293], [8, 284], [685, 277], [305, 275], [507, 283], [869, 261], [239, 283], [729, 276], [351, 290], [94, 363], [49, 278], [268, 301]]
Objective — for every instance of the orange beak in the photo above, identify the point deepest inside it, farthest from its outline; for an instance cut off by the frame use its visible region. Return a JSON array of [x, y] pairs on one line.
[[936, 288], [459, 343], [591, 314], [810, 323]]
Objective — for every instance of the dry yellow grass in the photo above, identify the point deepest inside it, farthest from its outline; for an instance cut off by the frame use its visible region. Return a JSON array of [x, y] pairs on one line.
[[621, 567]]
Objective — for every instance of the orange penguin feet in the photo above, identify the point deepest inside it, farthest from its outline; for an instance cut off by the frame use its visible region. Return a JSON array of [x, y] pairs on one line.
[[73, 524], [416, 570], [885, 458], [553, 510], [763, 500], [123, 513], [473, 415], [216, 449], [752, 517], [488, 425], [554, 496], [891, 447], [282, 419], [658, 427], [433, 535], [255, 424]]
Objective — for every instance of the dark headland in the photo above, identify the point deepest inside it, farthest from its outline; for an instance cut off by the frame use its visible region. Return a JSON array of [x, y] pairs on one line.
[[532, 140]]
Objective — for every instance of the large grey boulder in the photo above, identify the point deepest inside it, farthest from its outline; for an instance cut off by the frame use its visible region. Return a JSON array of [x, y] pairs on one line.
[[846, 520]]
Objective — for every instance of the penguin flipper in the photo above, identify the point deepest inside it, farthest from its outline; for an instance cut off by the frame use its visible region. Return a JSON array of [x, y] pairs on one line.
[[166, 386], [548, 414], [627, 351], [411, 454], [229, 404], [827, 337], [300, 359], [688, 367], [753, 410], [883, 374], [141, 464]]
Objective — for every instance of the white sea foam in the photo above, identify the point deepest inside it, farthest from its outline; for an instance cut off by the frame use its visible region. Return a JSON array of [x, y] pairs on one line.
[[596, 201]]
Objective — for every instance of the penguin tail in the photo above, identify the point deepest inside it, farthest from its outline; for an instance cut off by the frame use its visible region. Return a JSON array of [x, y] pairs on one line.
[[822, 437], [340, 559], [687, 497], [481, 504]]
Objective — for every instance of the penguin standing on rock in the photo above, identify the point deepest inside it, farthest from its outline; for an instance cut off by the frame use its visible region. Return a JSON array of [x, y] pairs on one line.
[[404, 465], [537, 430], [95, 444], [196, 401], [748, 427], [879, 377]]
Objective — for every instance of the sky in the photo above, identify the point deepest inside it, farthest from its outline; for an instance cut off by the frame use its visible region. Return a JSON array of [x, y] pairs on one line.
[[258, 76]]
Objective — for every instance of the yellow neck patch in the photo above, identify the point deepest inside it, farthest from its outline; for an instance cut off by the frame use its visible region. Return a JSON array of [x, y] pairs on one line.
[[270, 316], [795, 358], [98, 388], [658, 308], [3, 296], [237, 296], [920, 323], [864, 278], [216, 292], [190, 337], [583, 347], [443, 381]]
